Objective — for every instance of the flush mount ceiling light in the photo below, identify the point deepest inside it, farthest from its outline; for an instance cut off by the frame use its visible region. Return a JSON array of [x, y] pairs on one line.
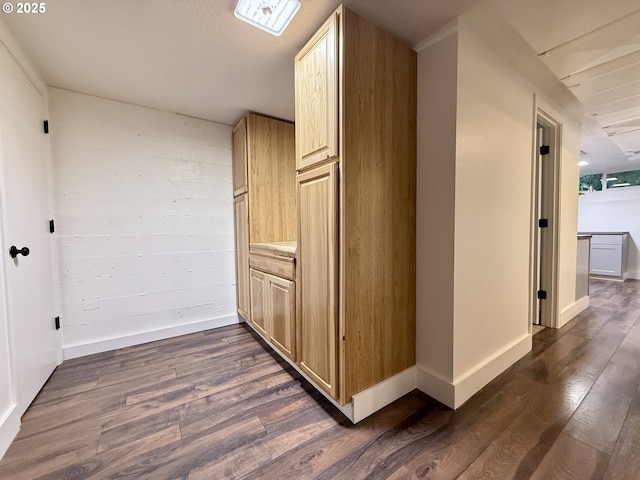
[[583, 163], [272, 16]]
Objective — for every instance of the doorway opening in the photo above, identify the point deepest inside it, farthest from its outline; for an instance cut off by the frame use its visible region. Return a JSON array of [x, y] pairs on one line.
[[545, 220]]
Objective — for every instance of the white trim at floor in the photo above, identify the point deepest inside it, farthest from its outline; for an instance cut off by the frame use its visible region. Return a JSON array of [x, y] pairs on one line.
[[106, 345]]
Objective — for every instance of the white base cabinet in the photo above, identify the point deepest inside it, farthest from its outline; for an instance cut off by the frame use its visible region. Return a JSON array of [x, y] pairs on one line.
[[609, 255]]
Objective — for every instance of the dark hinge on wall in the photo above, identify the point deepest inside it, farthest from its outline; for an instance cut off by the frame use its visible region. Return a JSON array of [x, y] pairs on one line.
[[45, 124], [543, 223], [544, 149], [57, 319], [542, 294], [52, 226]]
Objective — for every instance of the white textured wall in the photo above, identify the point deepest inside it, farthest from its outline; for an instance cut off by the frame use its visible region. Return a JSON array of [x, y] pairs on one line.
[[144, 221], [614, 210]]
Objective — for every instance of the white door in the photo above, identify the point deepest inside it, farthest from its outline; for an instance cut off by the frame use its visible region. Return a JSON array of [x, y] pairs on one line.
[[25, 190]]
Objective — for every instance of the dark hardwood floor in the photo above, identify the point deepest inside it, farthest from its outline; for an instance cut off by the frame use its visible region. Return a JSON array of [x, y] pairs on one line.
[[217, 405]]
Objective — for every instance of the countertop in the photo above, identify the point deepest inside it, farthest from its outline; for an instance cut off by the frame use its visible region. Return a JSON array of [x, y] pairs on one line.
[[580, 234], [281, 249]]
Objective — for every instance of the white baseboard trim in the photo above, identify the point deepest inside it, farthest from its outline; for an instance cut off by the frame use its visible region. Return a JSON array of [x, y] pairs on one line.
[[633, 274], [9, 427], [454, 394], [572, 310], [382, 394], [436, 387], [74, 351], [368, 401]]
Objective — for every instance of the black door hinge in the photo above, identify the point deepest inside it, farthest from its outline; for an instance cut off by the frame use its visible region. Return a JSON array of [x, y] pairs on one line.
[[542, 294], [52, 226], [543, 223], [544, 149], [45, 124], [57, 320]]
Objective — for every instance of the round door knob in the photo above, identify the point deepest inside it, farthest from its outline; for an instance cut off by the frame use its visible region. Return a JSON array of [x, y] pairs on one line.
[[15, 251]]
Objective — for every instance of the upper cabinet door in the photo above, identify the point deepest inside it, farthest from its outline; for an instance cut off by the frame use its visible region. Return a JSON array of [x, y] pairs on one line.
[[239, 157], [316, 78]]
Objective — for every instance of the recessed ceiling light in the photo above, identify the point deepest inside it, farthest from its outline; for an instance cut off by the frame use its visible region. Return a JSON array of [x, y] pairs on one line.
[[583, 163], [272, 16]]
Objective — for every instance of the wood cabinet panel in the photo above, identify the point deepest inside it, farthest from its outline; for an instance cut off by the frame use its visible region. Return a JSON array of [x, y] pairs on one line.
[[377, 230], [272, 179], [258, 281], [239, 158], [316, 104], [317, 275], [282, 315], [241, 228]]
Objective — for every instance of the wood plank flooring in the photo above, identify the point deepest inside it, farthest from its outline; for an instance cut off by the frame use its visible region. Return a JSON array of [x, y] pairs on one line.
[[219, 405]]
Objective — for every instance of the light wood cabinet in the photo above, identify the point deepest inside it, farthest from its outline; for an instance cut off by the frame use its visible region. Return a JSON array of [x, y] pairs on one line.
[[239, 158], [273, 298], [272, 179], [241, 229], [282, 314], [317, 275], [316, 81], [356, 212], [258, 282], [264, 185]]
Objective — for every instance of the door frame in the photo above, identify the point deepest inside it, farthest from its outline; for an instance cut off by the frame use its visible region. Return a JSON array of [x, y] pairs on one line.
[[548, 262]]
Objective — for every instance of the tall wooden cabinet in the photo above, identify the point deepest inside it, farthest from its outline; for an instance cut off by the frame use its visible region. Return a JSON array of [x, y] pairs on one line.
[[356, 160], [264, 180]]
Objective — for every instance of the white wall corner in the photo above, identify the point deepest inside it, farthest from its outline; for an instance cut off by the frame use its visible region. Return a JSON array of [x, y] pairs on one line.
[[572, 310], [9, 427], [436, 387], [471, 382], [453, 395], [438, 35], [382, 394], [633, 274], [22, 60], [81, 350]]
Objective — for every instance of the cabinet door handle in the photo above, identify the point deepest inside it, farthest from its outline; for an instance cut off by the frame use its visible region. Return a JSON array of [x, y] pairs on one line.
[[15, 251]]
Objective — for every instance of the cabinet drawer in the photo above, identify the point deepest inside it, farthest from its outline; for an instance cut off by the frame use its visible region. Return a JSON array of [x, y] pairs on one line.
[[279, 266], [606, 240]]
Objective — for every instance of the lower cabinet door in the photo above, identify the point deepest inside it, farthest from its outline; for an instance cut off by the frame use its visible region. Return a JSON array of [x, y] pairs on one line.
[[282, 315], [241, 227], [258, 282], [317, 275], [606, 260]]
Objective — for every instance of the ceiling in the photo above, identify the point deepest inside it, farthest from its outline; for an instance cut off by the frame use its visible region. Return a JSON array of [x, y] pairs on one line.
[[194, 57], [592, 47]]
